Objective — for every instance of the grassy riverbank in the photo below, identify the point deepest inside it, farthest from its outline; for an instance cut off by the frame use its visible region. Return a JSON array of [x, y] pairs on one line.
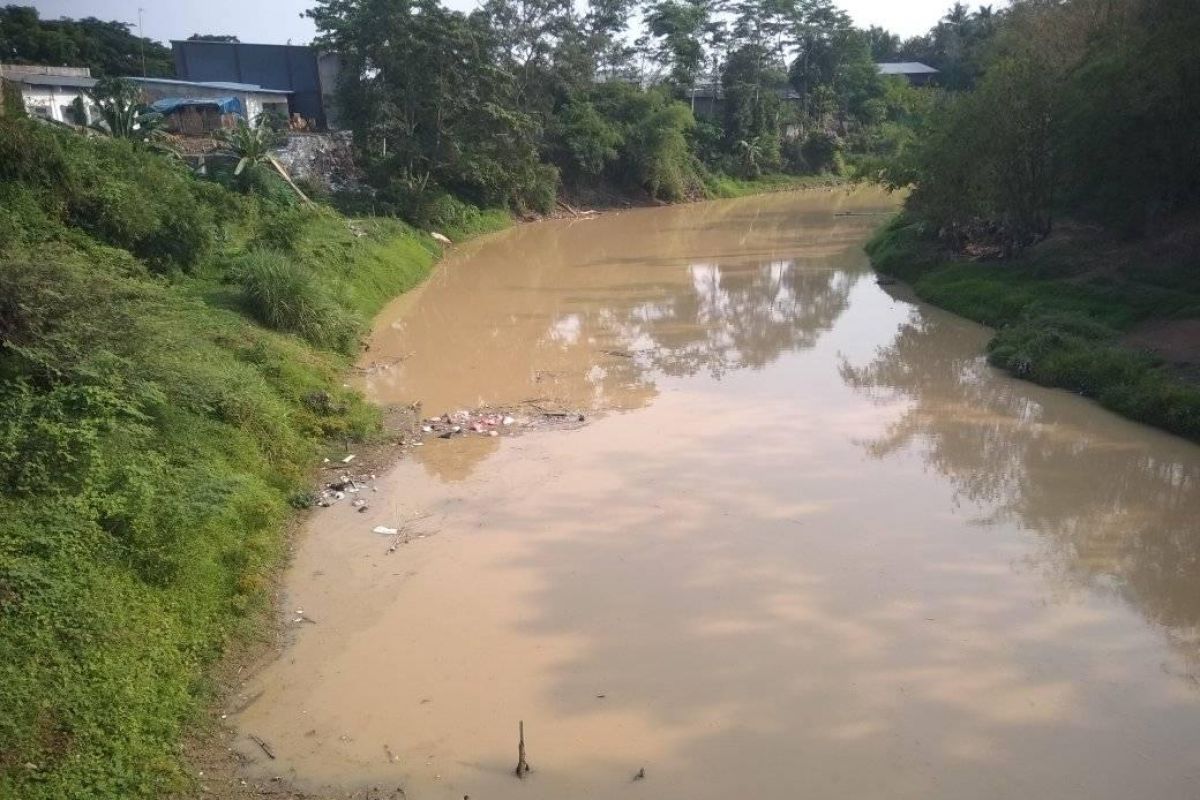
[[172, 366], [1064, 312], [724, 186]]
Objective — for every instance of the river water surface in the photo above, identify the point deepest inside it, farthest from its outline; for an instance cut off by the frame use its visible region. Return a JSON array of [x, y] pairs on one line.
[[808, 545]]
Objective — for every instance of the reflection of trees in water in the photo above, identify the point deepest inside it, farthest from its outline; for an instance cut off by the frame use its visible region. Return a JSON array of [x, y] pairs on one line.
[[1117, 511], [729, 316]]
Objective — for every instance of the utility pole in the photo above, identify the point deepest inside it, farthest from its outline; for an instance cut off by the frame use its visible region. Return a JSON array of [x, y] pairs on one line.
[[142, 40]]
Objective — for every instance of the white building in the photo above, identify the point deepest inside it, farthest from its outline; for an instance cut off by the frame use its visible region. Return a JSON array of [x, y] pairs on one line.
[[51, 92], [253, 99]]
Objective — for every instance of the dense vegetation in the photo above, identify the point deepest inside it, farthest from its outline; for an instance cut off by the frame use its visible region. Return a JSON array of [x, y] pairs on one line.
[[506, 104], [1057, 199], [108, 48], [154, 433]]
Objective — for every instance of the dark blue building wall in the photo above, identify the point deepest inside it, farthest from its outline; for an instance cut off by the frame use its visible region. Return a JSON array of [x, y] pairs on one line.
[[291, 68]]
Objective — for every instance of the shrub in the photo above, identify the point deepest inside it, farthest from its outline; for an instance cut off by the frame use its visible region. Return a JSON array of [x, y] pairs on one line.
[[117, 191], [822, 152], [584, 141], [284, 295], [282, 228]]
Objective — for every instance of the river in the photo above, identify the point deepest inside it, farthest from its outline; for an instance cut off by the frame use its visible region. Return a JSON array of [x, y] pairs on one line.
[[808, 543]]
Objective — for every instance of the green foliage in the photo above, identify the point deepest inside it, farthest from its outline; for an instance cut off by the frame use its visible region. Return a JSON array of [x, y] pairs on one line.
[[12, 105], [587, 141], [1129, 156], [1077, 354], [1077, 112], [957, 46], [108, 48], [751, 82], [123, 196], [426, 101], [679, 25], [983, 175], [821, 151], [655, 154], [153, 438], [251, 144]]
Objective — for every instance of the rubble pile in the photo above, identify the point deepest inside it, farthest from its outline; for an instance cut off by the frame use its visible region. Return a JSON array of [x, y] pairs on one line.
[[353, 486], [495, 422]]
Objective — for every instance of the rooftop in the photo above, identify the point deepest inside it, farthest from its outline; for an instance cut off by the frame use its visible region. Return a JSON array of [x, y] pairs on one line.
[[905, 68], [65, 81], [220, 86]]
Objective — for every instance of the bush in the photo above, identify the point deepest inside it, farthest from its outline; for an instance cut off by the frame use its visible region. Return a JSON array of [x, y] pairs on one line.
[[123, 195], [821, 151], [583, 141], [1077, 354], [283, 295], [282, 229]]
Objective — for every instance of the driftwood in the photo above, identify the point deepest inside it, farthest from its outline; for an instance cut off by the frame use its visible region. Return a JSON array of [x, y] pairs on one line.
[[265, 747]]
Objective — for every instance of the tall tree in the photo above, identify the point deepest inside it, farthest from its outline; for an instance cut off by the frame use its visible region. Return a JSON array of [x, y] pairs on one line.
[[428, 104], [605, 26], [679, 26]]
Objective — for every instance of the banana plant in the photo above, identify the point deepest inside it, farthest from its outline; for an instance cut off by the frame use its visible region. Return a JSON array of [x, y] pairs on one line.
[[252, 144], [123, 115]]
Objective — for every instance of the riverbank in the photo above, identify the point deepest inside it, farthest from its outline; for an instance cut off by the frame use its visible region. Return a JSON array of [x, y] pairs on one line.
[[1080, 311], [172, 370]]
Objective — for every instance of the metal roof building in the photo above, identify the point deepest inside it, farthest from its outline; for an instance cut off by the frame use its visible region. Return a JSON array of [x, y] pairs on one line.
[[310, 77], [915, 71]]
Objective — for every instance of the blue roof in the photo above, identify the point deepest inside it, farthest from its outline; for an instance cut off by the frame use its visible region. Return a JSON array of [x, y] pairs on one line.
[[217, 85], [905, 68], [226, 105]]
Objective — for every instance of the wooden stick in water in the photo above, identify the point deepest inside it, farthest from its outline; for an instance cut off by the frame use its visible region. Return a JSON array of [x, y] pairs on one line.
[[522, 764]]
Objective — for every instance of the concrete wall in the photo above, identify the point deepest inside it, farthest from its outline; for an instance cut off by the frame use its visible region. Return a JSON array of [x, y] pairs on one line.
[[17, 70], [326, 159], [51, 102]]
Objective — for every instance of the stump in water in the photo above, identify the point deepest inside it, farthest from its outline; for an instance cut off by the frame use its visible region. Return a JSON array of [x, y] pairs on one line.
[[522, 764]]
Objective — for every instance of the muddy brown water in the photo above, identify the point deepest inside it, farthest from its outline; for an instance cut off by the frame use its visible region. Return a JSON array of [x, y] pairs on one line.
[[811, 545]]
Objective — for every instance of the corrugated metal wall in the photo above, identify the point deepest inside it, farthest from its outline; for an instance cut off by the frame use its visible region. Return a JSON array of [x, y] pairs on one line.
[[271, 66]]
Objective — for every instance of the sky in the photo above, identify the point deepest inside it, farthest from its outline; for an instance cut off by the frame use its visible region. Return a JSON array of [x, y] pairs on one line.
[[279, 21]]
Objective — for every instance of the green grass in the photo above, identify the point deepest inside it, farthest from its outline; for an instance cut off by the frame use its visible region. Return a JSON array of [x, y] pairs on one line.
[[154, 432], [724, 186], [1056, 324]]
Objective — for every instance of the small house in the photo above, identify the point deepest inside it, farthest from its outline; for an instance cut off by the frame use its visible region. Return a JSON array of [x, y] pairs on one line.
[[52, 93]]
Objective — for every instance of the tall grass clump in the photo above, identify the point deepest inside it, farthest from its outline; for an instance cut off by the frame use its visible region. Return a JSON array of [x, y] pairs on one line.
[[283, 295]]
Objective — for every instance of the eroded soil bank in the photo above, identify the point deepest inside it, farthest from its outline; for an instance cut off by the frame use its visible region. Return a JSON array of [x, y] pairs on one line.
[[807, 544]]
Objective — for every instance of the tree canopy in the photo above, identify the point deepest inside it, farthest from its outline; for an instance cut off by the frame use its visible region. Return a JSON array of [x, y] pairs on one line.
[[108, 48]]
